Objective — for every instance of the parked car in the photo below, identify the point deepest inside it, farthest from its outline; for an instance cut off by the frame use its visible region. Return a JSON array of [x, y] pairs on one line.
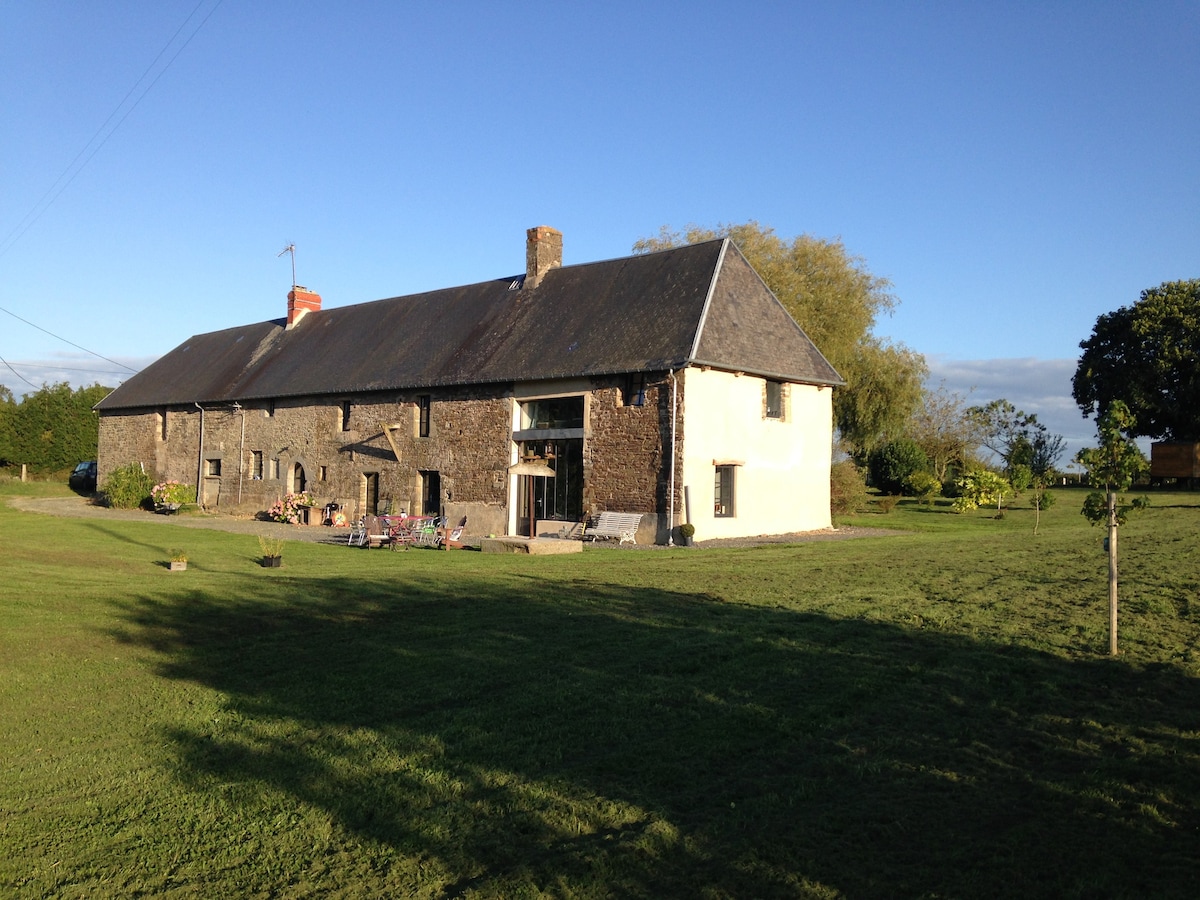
[[83, 479]]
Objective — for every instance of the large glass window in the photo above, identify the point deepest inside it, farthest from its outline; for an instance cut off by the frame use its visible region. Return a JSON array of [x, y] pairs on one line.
[[558, 497], [553, 412]]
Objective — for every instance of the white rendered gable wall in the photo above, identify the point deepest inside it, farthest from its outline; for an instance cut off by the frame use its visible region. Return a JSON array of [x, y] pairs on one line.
[[782, 472]]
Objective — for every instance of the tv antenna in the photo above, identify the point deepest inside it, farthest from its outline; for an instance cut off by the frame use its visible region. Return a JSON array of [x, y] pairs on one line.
[[290, 248]]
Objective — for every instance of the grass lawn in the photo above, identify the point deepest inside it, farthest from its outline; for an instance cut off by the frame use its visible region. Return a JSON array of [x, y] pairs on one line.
[[924, 715]]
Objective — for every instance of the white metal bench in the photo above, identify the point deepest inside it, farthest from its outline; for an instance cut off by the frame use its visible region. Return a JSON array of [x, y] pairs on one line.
[[622, 526]]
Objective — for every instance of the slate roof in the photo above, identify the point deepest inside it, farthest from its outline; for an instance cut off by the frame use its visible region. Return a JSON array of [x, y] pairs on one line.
[[700, 304]]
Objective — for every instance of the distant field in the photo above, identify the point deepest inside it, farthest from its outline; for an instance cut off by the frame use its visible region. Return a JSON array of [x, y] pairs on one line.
[[924, 715]]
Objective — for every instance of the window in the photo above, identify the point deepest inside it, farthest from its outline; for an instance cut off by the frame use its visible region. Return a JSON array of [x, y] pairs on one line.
[[269, 412], [275, 468], [322, 473], [424, 402], [634, 391], [162, 424], [774, 400], [212, 467], [345, 416], [552, 413], [723, 492], [256, 465]]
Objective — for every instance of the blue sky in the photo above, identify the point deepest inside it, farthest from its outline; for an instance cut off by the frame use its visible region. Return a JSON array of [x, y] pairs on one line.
[[1015, 169]]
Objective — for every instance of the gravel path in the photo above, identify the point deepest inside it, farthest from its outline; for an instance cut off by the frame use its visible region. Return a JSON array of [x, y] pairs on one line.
[[82, 507]]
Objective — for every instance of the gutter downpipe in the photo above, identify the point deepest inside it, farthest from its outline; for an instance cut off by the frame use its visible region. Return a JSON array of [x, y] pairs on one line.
[[200, 457], [241, 451], [671, 515]]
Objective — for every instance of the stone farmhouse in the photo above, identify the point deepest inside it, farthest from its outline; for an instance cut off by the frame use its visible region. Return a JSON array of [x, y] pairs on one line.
[[672, 384]]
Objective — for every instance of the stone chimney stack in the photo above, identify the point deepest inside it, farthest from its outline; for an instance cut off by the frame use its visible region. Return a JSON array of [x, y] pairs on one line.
[[543, 252], [300, 302]]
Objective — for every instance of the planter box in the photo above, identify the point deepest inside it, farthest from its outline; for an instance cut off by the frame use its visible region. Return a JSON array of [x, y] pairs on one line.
[[177, 566], [272, 562]]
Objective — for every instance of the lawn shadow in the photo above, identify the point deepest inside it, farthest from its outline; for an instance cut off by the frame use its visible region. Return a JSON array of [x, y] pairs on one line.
[[651, 743]]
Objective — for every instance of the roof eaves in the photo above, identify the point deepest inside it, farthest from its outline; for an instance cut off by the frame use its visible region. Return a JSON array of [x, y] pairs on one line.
[[774, 376]]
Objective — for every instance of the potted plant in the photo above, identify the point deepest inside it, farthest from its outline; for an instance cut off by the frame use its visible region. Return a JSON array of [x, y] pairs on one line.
[[272, 552], [686, 531], [293, 509], [168, 496], [178, 561]]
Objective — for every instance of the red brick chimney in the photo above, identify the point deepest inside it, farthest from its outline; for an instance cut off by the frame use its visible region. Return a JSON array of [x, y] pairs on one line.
[[543, 252], [301, 301]]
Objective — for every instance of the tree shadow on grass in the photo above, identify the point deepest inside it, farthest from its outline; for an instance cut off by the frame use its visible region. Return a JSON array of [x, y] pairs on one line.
[[590, 739]]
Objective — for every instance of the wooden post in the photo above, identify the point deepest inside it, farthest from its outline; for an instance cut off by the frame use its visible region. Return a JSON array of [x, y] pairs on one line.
[[23, 467], [1112, 574]]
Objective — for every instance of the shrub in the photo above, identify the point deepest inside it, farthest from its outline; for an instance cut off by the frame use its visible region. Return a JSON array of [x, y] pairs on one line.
[[980, 488], [891, 465], [1020, 476], [127, 487], [888, 502], [847, 488], [172, 493], [923, 485], [288, 509]]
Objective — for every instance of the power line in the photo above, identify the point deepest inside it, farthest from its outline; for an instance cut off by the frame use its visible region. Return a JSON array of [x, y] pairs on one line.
[[64, 368], [18, 374], [60, 185], [65, 341]]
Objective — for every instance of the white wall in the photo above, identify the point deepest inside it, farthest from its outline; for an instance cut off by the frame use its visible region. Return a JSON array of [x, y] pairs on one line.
[[782, 482]]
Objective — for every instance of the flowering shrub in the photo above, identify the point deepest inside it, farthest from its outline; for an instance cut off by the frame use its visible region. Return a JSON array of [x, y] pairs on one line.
[[172, 493], [288, 509]]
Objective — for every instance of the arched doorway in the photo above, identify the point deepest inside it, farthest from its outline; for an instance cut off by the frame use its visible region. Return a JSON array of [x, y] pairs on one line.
[[297, 483]]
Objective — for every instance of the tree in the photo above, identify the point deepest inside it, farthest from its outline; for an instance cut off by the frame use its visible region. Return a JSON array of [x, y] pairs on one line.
[[979, 488], [1116, 463], [53, 428], [1017, 437], [1148, 357], [945, 429], [837, 302], [7, 407], [892, 464]]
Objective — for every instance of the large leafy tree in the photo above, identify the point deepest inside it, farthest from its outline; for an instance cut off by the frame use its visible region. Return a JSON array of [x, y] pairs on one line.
[[7, 405], [54, 427], [946, 430], [1148, 356], [837, 302], [1017, 437]]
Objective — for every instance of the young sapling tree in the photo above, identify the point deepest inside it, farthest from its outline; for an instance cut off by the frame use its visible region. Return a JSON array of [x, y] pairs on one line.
[[1116, 464]]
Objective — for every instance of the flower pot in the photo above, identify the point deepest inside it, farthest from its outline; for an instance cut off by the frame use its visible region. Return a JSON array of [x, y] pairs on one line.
[[272, 562]]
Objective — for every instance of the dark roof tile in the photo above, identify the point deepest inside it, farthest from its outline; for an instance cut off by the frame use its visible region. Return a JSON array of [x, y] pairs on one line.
[[636, 313]]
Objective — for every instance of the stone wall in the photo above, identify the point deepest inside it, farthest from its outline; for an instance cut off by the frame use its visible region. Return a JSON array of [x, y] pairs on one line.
[[340, 451], [627, 464], [342, 448]]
